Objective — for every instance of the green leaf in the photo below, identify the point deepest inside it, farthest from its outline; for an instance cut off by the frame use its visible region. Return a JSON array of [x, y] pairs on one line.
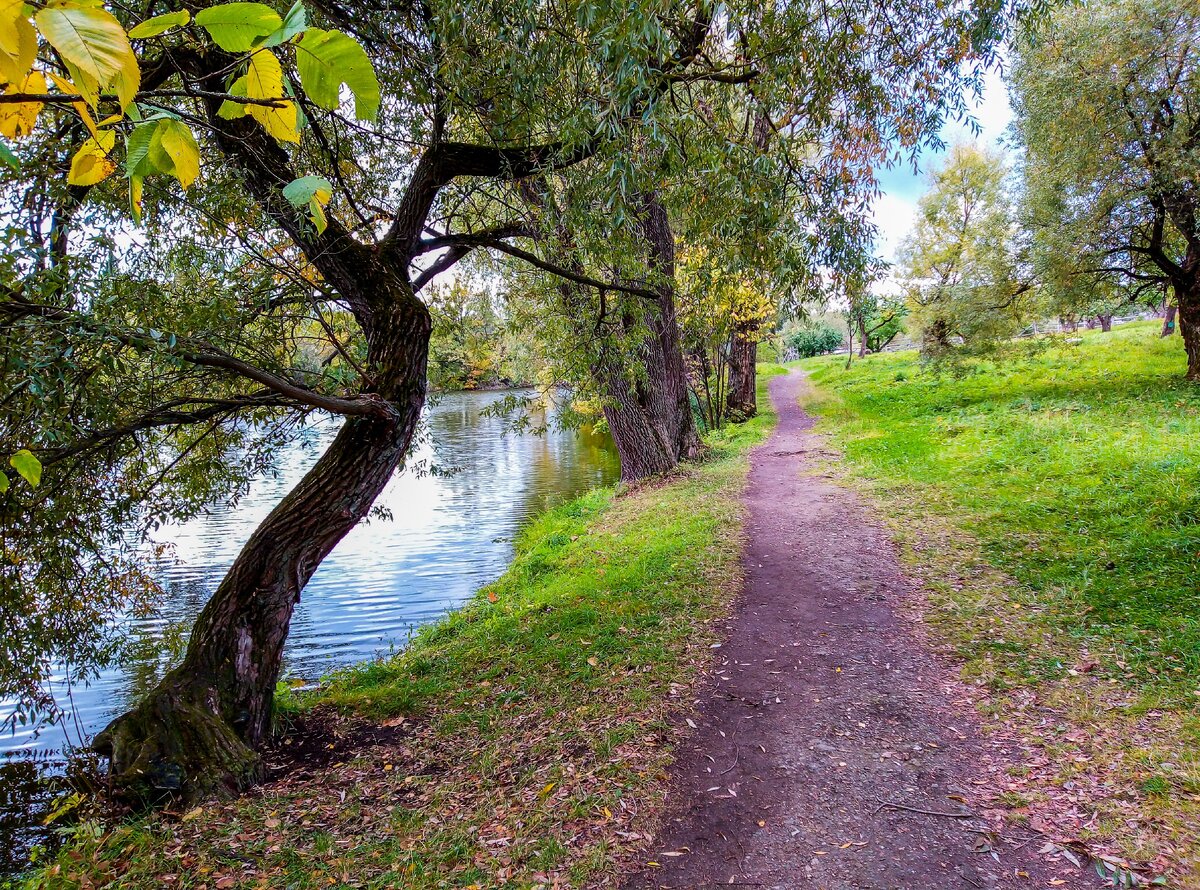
[[313, 192], [238, 27], [300, 191], [3, 482], [295, 22], [27, 465], [230, 110], [159, 24], [137, 151], [7, 156], [328, 59]]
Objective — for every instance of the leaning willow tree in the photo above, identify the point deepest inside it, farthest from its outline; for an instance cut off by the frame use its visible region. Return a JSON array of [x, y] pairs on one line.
[[219, 224], [1107, 102]]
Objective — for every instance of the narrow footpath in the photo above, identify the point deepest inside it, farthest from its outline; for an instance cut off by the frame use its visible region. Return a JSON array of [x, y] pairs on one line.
[[833, 749]]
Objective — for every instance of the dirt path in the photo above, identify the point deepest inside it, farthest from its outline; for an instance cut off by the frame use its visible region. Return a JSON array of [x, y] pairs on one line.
[[832, 749]]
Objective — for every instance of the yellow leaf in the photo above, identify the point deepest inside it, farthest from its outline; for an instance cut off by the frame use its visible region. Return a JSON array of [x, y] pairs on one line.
[[94, 46], [545, 791], [135, 197], [91, 163], [69, 88], [18, 41], [179, 143], [17, 119], [264, 80]]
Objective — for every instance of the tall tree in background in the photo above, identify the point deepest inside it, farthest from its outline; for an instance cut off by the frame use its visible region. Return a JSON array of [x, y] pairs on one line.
[[961, 273], [1107, 107]]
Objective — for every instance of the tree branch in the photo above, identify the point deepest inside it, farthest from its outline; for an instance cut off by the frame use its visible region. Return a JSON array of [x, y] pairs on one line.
[[206, 355]]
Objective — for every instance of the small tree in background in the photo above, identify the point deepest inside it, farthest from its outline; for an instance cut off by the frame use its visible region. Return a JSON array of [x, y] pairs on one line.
[[960, 265]]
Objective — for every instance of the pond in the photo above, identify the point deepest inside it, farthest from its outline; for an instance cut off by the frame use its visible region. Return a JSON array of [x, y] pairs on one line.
[[449, 532]]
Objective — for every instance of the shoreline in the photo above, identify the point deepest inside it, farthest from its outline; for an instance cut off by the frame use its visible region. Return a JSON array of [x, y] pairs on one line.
[[474, 768]]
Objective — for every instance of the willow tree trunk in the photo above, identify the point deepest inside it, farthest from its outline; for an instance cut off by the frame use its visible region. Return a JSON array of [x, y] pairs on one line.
[[200, 728], [649, 411], [741, 399], [1168, 325]]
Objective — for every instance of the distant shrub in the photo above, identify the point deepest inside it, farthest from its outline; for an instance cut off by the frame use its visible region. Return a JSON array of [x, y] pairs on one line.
[[767, 352], [816, 340]]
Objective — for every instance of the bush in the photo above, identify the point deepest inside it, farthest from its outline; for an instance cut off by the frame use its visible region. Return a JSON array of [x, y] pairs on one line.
[[816, 340]]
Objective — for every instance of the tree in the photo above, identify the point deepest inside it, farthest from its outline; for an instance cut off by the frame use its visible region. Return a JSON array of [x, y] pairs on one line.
[[219, 362], [719, 311], [1105, 101], [293, 189], [961, 270]]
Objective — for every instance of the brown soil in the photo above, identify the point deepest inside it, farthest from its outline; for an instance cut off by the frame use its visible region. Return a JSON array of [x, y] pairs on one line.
[[834, 749]]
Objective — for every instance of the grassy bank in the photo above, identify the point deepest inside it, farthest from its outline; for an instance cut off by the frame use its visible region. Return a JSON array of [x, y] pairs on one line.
[[519, 742], [1051, 505]]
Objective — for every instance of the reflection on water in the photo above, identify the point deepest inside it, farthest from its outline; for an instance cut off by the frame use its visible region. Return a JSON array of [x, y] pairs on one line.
[[447, 535]]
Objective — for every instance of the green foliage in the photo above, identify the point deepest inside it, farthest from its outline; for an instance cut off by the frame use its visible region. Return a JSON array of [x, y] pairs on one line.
[[960, 267], [817, 339], [475, 344], [1104, 100]]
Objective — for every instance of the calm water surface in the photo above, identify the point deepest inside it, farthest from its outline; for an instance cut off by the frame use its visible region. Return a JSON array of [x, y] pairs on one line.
[[449, 533]]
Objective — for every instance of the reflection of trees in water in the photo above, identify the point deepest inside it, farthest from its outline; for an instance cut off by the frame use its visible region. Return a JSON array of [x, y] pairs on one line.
[[549, 463]]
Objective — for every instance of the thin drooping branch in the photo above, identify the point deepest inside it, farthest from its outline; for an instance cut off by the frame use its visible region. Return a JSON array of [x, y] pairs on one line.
[[168, 414], [205, 355]]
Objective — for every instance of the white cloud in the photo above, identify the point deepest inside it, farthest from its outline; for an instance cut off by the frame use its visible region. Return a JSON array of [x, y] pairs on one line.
[[896, 207]]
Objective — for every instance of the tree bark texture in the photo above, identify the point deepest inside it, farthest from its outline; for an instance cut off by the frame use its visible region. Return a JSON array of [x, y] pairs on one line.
[[649, 411], [741, 401], [201, 727], [1168, 325], [1189, 326]]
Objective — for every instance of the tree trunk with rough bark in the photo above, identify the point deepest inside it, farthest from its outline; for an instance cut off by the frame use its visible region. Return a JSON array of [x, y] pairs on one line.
[[741, 402], [649, 412], [1168, 325], [201, 727], [1105, 322], [1188, 300]]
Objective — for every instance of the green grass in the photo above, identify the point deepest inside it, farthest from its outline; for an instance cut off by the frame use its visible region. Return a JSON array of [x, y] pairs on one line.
[[1076, 469], [1049, 505], [539, 716]]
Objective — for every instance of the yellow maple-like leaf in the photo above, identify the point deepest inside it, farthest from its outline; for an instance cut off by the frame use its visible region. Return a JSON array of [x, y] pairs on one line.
[[18, 41], [91, 163], [264, 80], [17, 119]]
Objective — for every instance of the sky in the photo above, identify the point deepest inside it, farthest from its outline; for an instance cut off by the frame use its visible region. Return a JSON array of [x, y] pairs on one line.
[[901, 187]]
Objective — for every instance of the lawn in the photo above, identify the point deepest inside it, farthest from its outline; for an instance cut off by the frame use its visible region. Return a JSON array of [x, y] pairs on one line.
[[530, 730], [1072, 469]]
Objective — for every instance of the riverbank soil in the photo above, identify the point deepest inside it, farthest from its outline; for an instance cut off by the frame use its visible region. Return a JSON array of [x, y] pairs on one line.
[[833, 749]]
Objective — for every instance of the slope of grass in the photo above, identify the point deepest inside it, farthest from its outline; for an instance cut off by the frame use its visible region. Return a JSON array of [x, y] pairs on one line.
[[532, 725], [1073, 470]]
